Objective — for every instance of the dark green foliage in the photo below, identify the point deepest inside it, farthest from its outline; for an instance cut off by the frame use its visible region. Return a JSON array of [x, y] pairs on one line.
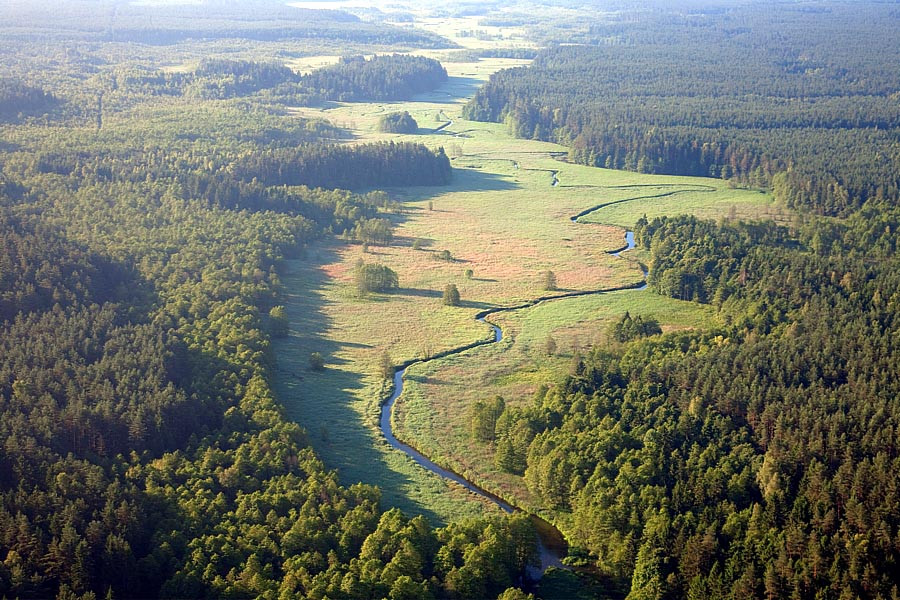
[[390, 77], [349, 167], [514, 431], [451, 295], [398, 122], [483, 418], [631, 328], [716, 464], [17, 98], [385, 77], [374, 278], [373, 231], [386, 366], [316, 361], [748, 95], [219, 78], [144, 452], [278, 322]]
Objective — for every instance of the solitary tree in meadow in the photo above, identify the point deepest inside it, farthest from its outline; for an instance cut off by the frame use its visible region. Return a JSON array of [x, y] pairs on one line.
[[386, 365], [451, 295], [549, 281]]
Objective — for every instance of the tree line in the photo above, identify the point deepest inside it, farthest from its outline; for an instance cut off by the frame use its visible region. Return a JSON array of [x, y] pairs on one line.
[[755, 459], [145, 453], [800, 102], [353, 79]]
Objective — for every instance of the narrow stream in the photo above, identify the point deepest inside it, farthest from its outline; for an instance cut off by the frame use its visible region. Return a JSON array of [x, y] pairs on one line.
[[552, 545]]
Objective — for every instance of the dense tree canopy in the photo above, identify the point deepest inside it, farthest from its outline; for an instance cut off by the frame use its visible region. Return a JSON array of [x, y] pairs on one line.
[[802, 100], [144, 453], [398, 122], [749, 461]]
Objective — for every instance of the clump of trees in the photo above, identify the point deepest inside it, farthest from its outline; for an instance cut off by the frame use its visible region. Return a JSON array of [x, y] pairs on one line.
[[382, 77], [451, 295], [483, 418], [369, 278], [631, 328], [373, 231], [384, 164], [398, 122]]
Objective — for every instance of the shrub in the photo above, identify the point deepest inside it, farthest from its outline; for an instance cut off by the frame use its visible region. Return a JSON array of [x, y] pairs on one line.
[[451, 295]]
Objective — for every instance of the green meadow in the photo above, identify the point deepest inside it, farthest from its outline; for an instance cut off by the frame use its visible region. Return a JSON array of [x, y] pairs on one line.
[[504, 220]]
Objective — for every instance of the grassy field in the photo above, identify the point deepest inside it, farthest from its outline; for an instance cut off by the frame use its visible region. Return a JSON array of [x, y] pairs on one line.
[[437, 396], [503, 219]]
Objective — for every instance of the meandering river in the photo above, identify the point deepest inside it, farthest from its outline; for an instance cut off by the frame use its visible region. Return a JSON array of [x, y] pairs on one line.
[[551, 543]]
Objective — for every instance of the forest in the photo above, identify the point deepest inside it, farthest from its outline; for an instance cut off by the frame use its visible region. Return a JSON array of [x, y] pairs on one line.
[[144, 452], [755, 460], [164, 23], [353, 79], [153, 183], [801, 101]]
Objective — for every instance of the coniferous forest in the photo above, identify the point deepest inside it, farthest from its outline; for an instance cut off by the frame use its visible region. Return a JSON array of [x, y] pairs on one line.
[[155, 176], [789, 97], [759, 459]]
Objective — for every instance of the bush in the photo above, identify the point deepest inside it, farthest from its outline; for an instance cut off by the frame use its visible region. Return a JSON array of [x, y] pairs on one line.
[[316, 361], [451, 295]]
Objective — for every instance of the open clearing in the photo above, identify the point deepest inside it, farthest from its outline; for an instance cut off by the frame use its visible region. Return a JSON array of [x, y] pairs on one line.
[[503, 218]]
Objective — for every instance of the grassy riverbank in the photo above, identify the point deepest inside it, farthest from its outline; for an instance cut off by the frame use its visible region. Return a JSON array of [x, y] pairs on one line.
[[502, 219]]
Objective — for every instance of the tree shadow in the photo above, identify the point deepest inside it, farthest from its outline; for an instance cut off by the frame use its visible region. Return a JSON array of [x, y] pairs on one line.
[[454, 87], [464, 180], [403, 240], [420, 293], [324, 401], [478, 305]]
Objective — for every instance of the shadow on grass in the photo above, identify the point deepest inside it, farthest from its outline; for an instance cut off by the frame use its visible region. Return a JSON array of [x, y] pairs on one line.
[[403, 240], [454, 87], [464, 180], [478, 305], [420, 292], [323, 401]]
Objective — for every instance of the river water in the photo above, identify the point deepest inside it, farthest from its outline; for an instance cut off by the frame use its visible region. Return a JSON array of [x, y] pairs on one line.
[[552, 546]]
